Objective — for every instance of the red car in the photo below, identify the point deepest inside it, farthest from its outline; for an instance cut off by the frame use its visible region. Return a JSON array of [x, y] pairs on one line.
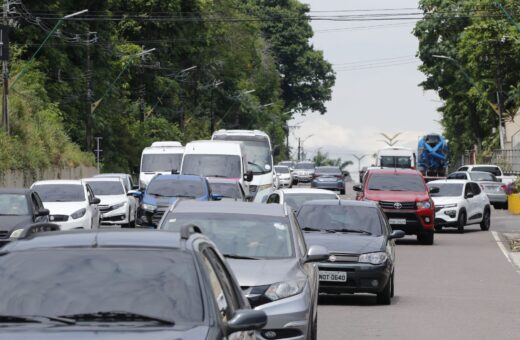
[[405, 199]]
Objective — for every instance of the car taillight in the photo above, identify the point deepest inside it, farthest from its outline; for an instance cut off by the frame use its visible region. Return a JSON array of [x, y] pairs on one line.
[[503, 187]]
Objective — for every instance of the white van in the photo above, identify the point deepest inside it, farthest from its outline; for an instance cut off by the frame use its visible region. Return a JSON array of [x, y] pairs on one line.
[[160, 158], [218, 159], [396, 157]]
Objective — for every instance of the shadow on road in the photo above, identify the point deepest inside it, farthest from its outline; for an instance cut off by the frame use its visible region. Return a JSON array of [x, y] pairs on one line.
[[350, 300]]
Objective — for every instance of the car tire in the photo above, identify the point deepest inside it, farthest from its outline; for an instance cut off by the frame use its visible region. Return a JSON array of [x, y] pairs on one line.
[[342, 192], [461, 221], [426, 237], [392, 293], [486, 220], [385, 296]]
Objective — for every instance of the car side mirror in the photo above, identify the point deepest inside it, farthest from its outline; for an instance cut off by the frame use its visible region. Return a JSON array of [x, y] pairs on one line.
[[246, 320], [317, 254], [396, 234], [216, 197], [357, 188], [434, 190], [95, 200], [248, 176], [469, 195], [135, 193], [43, 212]]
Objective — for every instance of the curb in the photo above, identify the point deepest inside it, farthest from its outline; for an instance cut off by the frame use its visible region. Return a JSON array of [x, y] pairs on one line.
[[504, 241]]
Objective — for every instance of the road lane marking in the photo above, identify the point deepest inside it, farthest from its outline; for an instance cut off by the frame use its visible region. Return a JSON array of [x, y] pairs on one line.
[[500, 244]]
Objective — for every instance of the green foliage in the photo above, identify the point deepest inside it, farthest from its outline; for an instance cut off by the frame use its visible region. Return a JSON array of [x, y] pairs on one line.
[[322, 159], [485, 60]]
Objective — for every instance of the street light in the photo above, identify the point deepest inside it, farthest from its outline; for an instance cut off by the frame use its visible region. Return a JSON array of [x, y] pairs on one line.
[[359, 158], [300, 146], [22, 72]]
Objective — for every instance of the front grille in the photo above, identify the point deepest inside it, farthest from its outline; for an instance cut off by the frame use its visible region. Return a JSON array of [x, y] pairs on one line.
[[59, 218], [114, 218], [4, 234], [339, 257], [403, 205]]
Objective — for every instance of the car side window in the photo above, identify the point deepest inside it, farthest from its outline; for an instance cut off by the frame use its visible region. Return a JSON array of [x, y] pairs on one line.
[[468, 189], [38, 201], [475, 188], [274, 198], [299, 236], [216, 288], [34, 203]]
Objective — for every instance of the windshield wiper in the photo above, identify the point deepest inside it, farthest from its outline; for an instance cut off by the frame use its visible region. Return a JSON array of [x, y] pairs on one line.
[[346, 230], [34, 318], [157, 195], [374, 189], [117, 316], [185, 196], [239, 257], [310, 229]]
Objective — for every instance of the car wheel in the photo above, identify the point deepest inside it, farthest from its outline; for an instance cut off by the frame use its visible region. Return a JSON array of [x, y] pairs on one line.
[[426, 237], [385, 296], [461, 222], [486, 220], [393, 286]]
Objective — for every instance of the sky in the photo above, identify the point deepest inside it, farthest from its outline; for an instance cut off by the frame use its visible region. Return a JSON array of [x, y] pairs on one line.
[[369, 96]]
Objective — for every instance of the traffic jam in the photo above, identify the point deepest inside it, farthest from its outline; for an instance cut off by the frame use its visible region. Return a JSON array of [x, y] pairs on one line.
[[215, 241]]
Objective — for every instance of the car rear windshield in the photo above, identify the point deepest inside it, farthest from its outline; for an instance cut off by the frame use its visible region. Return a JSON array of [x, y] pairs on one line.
[[230, 190], [282, 169], [240, 234], [224, 166], [447, 189], [305, 166], [105, 188], [337, 217], [59, 282], [396, 161], [60, 192], [482, 176], [13, 205], [491, 169], [295, 201], [163, 162], [396, 182], [175, 188], [332, 171]]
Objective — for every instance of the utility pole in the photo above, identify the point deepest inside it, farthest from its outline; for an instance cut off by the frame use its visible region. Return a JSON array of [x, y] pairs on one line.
[[98, 153], [142, 89], [88, 98], [500, 102], [4, 50], [299, 148]]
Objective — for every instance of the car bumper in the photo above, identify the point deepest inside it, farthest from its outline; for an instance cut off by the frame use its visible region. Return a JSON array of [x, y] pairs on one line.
[[415, 221], [285, 182], [80, 223], [290, 315], [303, 178], [361, 277], [328, 185], [447, 217], [118, 216], [497, 198]]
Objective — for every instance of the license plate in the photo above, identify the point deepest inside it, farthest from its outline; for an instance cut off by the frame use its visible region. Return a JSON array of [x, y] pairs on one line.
[[333, 276], [397, 221]]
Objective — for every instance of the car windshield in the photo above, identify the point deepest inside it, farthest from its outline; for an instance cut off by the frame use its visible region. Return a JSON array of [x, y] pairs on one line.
[[396, 182], [396, 161], [225, 166], [106, 188], [447, 189], [491, 169], [295, 201], [338, 217], [257, 149], [176, 188], [282, 169], [13, 204], [60, 282], [244, 235], [328, 171], [230, 190], [304, 166], [60, 192], [163, 162], [482, 177]]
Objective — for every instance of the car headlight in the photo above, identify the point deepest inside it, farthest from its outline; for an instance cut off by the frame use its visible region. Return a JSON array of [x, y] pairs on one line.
[[119, 205], [148, 207], [78, 214], [424, 205], [17, 233], [282, 290], [373, 258]]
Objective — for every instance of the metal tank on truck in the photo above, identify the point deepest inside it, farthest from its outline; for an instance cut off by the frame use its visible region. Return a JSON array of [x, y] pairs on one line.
[[432, 155]]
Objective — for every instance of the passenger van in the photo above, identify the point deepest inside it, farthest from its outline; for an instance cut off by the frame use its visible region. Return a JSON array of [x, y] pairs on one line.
[[396, 157], [217, 159], [160, 158]]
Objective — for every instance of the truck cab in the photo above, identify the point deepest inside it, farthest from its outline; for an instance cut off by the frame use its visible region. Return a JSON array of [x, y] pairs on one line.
[[160, 158]]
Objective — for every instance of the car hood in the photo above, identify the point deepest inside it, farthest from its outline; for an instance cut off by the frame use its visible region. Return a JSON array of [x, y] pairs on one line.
[[129, 332], [399, 196], [11, 222], [112, 199], [251, 273], [64, 208], [346, 243], [445, 200]]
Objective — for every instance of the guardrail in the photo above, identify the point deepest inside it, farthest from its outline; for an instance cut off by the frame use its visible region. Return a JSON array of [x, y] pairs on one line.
[[508, 160]]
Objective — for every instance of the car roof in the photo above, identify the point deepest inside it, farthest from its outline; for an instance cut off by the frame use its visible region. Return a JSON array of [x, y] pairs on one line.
[[229, 207], [103, 179], [396, 171], [59, 181], [19, 191], [99, 238], [306, 191], [347, 203], [112, 175], [450, 181], [474, 165]]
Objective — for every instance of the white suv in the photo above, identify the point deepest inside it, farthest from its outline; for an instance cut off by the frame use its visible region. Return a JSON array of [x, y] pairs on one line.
[[459, 203]]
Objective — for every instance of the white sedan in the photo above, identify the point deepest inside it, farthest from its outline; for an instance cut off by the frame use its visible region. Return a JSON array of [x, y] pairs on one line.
[[72, 204], [296, 197]]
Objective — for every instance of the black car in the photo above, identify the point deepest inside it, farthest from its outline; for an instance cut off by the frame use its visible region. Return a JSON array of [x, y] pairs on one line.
[[19, 208], [228, 189], [117, 284], [328, 177], [361, 243]]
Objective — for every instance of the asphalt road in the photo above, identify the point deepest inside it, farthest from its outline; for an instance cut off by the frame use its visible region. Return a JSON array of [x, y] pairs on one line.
[[462, 287]]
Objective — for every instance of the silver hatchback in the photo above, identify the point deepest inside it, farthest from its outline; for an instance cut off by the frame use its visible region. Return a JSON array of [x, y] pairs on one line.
[[268, 254]]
